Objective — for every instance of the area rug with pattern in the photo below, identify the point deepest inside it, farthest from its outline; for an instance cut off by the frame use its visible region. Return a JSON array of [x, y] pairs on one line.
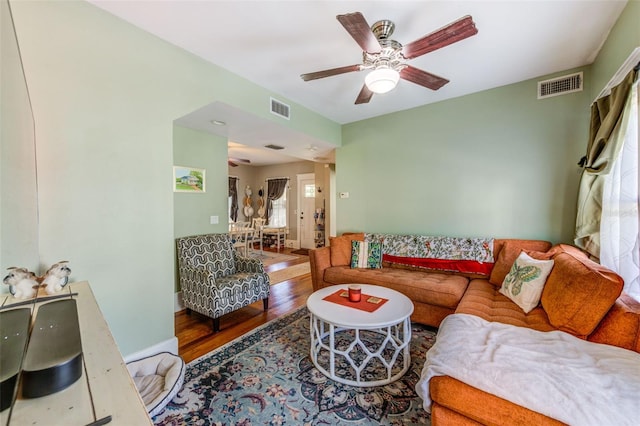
[[270, 258], [267, 378], [288, 273]]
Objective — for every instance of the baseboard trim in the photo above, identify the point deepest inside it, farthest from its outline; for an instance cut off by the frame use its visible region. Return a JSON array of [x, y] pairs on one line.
[[169, 345], [178, 304]]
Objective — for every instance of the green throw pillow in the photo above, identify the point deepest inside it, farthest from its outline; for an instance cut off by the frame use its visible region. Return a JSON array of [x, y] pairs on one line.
[[366, 254]]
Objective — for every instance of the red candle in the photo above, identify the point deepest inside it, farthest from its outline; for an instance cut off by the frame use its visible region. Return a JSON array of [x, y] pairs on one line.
[[354, 293]]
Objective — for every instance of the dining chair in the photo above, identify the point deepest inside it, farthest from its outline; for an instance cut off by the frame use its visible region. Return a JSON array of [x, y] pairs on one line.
[[255, 234], [239, 232]]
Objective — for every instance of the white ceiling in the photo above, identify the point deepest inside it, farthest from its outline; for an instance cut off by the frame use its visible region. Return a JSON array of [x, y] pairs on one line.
[[247, 135], [272, 42]]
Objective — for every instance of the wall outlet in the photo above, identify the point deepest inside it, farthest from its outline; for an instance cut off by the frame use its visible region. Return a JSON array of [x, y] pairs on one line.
[[344, 195], [214, 220]]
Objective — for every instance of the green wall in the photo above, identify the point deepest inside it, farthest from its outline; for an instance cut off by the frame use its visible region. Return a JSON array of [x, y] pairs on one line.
[[622, 40], [499, 163], [18, 196], [105, 95], [192, 211]]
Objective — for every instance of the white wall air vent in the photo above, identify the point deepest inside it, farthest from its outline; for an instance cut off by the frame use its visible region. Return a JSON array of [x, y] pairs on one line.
[[560, 86], [280, 109]]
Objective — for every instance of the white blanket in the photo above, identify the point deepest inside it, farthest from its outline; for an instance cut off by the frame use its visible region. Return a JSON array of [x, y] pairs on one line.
[[553, 373]]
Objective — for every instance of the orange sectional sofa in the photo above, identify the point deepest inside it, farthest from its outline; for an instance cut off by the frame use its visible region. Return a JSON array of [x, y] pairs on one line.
[[580, 297], [435, 294]]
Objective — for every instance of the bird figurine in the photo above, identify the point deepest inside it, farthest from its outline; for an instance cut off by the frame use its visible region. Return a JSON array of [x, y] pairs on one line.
[[56, 277], [22, 283]]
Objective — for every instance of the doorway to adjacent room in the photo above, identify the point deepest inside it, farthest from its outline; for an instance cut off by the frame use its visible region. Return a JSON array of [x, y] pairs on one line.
[[306, 209]]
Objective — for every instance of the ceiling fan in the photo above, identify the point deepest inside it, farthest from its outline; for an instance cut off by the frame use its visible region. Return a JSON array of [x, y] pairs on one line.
[[233, 162], [387, 59]]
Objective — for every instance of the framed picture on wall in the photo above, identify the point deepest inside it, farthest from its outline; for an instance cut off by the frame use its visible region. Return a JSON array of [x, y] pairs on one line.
[[188, 179]]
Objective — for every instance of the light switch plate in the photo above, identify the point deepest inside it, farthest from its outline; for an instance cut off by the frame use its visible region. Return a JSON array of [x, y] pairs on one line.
[[344, 195], [214, 220]]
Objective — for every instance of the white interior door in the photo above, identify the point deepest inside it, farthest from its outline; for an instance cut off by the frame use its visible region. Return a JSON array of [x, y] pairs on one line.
[[306, 209]]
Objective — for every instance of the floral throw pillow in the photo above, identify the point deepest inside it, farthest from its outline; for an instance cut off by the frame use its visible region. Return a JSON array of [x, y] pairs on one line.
[[365, 254], [525, 281]]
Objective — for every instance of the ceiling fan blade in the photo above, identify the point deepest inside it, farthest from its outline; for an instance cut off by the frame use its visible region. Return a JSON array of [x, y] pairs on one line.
[[454, 32], [364, 96], [328, 73], [357, 26], [423, 78]]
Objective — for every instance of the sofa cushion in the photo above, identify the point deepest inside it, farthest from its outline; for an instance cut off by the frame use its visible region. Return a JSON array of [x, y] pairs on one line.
[[579, 292], [507, 251], [422, 287], [484, 300], [365, 254], [524, 283], [341, 248]]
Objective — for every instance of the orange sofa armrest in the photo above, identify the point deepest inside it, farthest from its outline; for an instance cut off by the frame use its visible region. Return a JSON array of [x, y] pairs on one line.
[[621, 326], [319, 259]]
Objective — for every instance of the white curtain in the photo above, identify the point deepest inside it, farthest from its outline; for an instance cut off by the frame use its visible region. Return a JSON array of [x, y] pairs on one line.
[[620, 224]]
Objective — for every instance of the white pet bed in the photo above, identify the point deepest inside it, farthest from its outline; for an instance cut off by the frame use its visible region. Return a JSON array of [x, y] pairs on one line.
[[158, 379]]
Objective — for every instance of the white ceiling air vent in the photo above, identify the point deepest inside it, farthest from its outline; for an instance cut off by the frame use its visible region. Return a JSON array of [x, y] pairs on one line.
[[274, 147], [279, 108], [560, 85]]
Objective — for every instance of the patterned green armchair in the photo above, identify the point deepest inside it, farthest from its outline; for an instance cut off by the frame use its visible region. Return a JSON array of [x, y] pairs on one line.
[[215, 280]]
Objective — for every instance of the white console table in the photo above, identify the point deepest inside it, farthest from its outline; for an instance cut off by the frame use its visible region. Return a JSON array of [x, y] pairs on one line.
[[105, 388]]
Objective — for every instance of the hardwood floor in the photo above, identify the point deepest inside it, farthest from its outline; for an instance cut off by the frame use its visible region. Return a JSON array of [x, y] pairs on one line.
[[194, 331]]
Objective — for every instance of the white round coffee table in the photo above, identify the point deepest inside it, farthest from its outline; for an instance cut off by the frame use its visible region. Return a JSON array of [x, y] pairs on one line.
[[347, 344]]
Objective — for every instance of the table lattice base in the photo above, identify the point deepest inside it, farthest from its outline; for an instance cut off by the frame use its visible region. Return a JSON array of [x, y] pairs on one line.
[[362, 357]]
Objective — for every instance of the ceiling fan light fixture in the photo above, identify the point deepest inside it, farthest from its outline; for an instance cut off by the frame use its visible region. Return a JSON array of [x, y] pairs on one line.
[[382, 80]]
